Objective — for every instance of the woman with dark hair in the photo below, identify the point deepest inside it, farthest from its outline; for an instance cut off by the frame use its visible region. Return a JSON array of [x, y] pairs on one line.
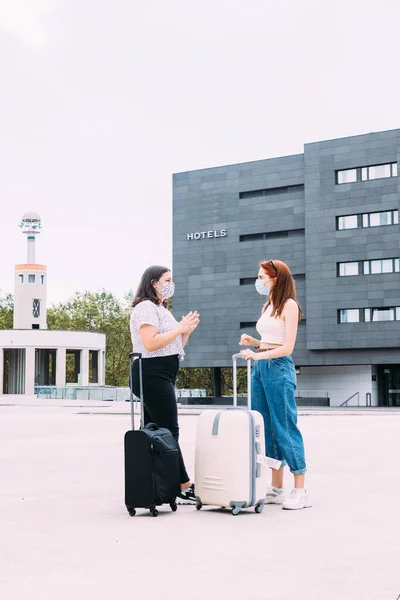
[[273, 380], [160, 339]]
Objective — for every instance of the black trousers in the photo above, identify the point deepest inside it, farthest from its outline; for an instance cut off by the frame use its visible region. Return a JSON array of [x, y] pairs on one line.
[[159, 376]]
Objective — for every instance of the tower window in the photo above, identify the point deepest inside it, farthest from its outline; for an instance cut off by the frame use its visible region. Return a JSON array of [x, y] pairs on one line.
[[36, 309], [42, 279], [21, 278], [31, 278]]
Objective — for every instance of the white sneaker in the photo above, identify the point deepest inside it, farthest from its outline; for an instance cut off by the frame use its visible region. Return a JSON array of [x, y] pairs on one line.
[[273, 495], [298, 498]]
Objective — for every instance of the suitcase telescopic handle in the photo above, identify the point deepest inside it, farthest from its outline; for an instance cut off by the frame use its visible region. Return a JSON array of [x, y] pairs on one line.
[[133, 356], [235, 358]]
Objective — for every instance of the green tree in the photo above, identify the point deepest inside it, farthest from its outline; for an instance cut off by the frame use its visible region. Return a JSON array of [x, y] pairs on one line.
[[196, 378], [100, 312], [6, 311]]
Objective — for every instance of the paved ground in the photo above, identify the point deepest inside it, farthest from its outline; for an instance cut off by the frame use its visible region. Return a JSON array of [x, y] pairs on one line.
[[65, 533]]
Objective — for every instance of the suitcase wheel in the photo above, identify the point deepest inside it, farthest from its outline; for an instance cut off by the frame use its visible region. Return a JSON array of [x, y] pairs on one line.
[[258, 508], [131, 511], [174, 506], [154, 511], [235, 511], [199, 505]]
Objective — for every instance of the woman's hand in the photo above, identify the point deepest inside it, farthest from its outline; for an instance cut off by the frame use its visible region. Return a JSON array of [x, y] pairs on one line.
[[247, 340], [247, 354], [189, 323]]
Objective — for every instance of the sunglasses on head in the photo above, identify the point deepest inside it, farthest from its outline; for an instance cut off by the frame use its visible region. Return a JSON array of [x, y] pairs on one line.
[[271, 262]]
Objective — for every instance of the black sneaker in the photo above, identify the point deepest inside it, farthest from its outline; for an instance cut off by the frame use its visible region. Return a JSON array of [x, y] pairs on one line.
[[186, 496]]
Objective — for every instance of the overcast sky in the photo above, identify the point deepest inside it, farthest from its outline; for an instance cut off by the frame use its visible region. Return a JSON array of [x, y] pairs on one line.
[[101, 102]]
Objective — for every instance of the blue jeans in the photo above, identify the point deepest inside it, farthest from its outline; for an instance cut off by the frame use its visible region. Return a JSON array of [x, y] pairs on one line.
[[273, 383]]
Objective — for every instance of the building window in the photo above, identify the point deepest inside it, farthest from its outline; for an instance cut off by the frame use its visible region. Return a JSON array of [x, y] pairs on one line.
[[31, 278], [375, 219], [366, 173], [247, 281], [36, 308], [368, 267], [348, 268], [42, 279], [348, 222], [244, 324], [380, 314], [349, 315], [379, 219], [346, 176], [251, 237], [272, 191], [368, 315], [35, 326], [379, 172], [386, 265], [250, 324], [251, 280], [21, 278]]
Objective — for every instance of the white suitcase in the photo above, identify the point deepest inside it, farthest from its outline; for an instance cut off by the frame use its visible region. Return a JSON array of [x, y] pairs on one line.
[[230, 463]]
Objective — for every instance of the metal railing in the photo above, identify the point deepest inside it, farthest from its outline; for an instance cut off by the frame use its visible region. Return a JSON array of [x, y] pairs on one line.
[[71, 392], [345, 403], [190, 393]]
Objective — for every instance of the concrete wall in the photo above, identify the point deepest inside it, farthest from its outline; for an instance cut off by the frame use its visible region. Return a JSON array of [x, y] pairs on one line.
[[339, 382]]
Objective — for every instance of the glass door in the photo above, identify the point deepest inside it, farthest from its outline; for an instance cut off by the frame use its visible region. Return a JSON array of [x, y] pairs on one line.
[[389, 385]]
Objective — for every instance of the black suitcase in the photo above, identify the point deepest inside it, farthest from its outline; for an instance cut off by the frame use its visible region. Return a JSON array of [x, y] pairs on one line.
[[151, 461]]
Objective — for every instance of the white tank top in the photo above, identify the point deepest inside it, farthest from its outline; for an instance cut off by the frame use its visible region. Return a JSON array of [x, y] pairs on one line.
[[271, 329]]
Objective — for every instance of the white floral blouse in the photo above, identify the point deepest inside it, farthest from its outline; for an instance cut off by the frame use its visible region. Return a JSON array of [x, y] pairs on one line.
[[148, 313]]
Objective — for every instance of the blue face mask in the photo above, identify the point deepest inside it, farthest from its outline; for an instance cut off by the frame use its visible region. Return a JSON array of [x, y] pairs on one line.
[[260, 287]]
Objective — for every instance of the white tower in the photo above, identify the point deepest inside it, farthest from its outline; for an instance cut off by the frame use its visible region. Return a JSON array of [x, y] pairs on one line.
[[30, 282]]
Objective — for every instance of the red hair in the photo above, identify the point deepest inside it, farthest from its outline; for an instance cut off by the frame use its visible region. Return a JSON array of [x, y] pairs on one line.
[[283, 288]]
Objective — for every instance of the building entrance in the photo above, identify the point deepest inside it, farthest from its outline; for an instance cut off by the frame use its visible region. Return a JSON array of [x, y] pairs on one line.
[[389, 385], [45, 366], [14, 371]]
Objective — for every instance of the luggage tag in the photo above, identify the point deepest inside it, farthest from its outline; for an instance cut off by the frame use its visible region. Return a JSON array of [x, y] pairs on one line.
[[270, 462]]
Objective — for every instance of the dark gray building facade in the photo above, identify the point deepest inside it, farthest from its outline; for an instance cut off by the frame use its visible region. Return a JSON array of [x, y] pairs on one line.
[[331, 214]]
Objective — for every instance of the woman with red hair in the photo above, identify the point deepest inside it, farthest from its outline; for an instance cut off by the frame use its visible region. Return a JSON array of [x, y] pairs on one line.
[[273, 380]]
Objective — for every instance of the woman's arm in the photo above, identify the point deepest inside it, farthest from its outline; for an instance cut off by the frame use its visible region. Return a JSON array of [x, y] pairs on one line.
[[153, 340], [248, 340], [195, 322]]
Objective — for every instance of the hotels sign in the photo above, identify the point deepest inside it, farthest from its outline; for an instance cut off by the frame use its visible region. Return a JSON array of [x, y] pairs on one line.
[[202, 235]]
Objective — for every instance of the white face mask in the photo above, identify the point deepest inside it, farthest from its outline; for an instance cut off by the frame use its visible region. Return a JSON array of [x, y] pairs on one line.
[[260, 287], [167, 290]]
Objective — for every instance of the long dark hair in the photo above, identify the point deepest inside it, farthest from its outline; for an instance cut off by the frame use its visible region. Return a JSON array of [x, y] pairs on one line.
[[146, 289], [283, 289]]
